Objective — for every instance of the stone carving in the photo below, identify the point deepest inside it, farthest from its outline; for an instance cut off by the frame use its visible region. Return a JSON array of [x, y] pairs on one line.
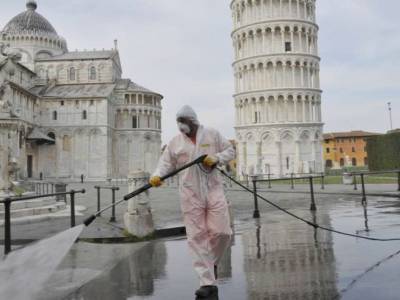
[[14, 55]]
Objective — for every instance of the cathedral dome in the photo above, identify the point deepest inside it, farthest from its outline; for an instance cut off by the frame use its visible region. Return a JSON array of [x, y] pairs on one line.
[[29, 22]]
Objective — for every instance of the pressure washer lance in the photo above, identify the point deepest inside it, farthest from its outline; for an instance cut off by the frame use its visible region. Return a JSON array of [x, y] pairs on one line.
[[144, 188]]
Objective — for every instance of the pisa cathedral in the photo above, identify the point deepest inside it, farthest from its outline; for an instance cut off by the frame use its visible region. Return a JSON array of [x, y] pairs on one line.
[[63, 114], [277, 96]]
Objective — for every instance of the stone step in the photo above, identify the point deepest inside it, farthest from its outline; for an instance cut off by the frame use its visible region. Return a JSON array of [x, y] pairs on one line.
[[64, 213], [31, 203], [33, 211]]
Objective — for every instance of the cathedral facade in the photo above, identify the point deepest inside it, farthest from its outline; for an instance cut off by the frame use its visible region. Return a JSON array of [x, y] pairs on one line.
[[277, 90], [65, 114]]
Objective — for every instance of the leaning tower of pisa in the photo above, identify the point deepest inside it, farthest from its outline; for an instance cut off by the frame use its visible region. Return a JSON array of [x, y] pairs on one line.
[[277, 92]]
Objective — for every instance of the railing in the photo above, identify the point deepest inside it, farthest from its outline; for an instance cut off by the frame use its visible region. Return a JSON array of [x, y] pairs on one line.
[[322, 176], [313, 207], [113, 190], [7, 212], [362, 176], [117, 181], [45, 187]]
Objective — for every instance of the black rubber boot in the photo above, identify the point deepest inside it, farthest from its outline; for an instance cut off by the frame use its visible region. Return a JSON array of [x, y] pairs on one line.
[[207, 291]]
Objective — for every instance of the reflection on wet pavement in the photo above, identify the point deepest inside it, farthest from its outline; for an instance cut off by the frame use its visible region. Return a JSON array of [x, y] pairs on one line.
[[132, 276], [276, 257]]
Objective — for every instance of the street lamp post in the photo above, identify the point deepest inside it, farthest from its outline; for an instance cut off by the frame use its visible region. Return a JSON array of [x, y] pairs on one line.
[[390, 115]]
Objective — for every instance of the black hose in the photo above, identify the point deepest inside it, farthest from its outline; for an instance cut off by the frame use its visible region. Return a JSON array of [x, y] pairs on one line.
[[316, 226], [144, 188]]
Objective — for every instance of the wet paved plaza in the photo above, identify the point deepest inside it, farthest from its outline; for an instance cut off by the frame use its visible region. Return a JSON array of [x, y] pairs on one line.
[[276, 257]]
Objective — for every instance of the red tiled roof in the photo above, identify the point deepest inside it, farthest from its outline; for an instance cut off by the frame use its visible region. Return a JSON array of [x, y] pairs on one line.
[[349, 134]]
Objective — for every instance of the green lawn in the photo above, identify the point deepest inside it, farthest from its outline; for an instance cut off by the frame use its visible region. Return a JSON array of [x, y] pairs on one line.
[[372, 179]]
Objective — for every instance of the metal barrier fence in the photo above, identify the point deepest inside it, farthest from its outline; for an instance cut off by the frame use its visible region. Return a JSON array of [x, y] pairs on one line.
[[113, 190], [41, 187], [322, 176], [362, 177], [7, 212], [313, 207]]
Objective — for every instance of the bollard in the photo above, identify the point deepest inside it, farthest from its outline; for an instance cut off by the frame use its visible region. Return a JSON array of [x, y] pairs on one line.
[[313, 207], [355, 182], [256, 214], [269, 180], [292, 181], [322, 181], [112, 219], [398, 181], [72, 204], [7, 226], [258, 231], [98, 198], [364, 197]]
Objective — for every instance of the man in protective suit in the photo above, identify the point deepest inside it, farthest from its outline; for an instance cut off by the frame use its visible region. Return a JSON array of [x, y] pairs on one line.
[[203, 203]]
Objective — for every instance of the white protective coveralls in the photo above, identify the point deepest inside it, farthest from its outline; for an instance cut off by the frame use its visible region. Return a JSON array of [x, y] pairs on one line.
[[203, 202]]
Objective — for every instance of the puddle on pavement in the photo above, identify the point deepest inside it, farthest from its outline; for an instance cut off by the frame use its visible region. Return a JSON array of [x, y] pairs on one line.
[[276, 258]]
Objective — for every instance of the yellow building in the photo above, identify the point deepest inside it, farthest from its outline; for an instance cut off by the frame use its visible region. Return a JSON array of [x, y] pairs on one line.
[[345, 149]]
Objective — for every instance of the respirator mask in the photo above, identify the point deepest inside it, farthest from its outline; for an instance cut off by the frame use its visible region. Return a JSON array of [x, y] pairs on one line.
[[184, 128]]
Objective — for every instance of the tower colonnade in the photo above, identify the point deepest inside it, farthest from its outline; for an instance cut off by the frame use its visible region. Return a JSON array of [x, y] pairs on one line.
[[280, 72], [249, 11], [261, 38]]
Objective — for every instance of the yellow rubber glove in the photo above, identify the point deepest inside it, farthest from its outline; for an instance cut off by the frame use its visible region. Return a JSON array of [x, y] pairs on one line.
[[210, 161], [155, 181]]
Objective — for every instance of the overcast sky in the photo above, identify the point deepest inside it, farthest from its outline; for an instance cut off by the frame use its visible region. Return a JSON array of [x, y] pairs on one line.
[[183, 50]]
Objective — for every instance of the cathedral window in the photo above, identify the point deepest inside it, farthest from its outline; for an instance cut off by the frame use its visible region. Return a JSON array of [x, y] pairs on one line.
[[288, 46], [54, 115], [84, 115], [62, 103], [91, 102], [51, 135], [72, 74], [21, 138], [148, 121], [134, 122], [92, 73]]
